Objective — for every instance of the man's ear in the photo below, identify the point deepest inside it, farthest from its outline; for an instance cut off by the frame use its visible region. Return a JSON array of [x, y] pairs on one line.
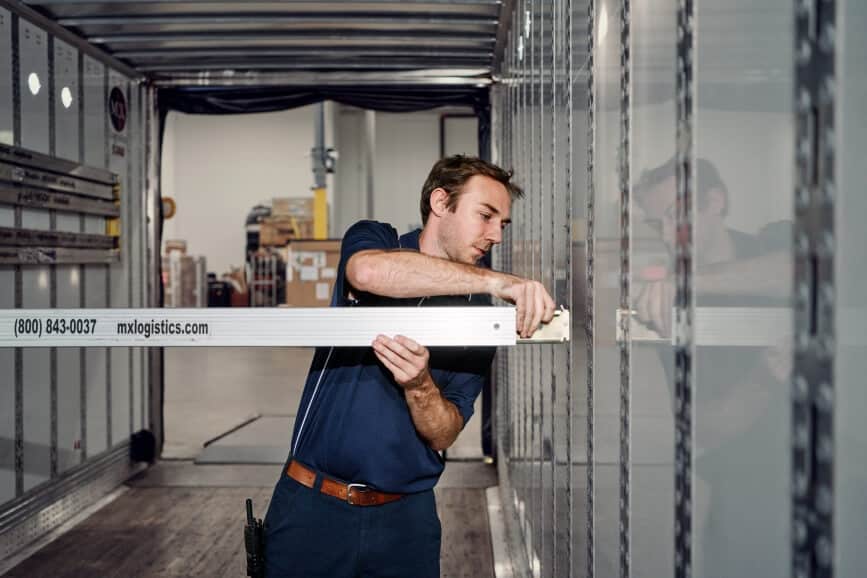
[[439, 200]]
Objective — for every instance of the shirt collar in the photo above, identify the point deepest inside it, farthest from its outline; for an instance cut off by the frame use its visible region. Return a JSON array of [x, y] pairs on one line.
[[410, 240]]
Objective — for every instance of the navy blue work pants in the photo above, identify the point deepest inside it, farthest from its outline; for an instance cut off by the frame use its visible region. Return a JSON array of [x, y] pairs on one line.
[[310, 534]]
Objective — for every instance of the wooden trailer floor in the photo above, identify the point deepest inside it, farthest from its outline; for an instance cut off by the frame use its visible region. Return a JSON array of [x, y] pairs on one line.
[[181, 519]]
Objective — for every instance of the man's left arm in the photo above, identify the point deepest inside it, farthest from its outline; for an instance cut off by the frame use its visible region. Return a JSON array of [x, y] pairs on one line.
[[437, 420]]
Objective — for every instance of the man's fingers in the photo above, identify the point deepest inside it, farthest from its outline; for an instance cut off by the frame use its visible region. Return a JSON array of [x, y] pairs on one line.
[[519, 314], [383, 350], [533, 306], [413, 347], [538, 310], [396, 371], [550, 307], [400, 354], [404, 358], [530, 304], [397, 348]]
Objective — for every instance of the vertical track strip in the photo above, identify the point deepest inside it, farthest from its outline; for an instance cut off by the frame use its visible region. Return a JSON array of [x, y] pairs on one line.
[[82, 270], [19, 353], [552, 453], [625, 394], [52, 150], [107, 268], [535, 374], [591, 199], [813, 380], [683, 346], [569, 190]]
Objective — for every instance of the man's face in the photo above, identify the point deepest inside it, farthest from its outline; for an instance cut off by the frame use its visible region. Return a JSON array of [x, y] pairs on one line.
[[476, 222], [660, 212]]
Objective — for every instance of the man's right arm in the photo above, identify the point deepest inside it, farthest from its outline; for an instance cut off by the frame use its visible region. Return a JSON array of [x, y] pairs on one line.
[[406, 274]]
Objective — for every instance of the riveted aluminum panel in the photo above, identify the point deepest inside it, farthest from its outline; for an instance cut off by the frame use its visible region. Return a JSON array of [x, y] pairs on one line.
[[34, 82], [95, 114], [36, 376], [6, 122], [7, 395], [120, 138], [66, 105], [68, 376]]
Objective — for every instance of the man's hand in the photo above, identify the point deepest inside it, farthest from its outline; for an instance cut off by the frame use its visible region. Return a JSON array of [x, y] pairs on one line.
[[653, 305], [405, 359], [436, 419], [532, 302]]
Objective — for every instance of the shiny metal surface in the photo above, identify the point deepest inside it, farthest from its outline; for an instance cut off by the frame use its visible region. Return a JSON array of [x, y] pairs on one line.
[[395, 33], [706, 485], [361, 78]]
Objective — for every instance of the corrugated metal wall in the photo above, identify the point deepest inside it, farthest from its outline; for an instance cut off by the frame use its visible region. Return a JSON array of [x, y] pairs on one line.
[[695, 198], [63, 410]]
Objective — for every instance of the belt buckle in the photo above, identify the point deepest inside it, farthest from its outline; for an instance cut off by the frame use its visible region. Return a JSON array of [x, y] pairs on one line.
[[360, 487]]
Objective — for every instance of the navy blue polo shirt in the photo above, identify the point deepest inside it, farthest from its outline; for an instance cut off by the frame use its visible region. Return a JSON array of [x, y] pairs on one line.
[[353, 422]]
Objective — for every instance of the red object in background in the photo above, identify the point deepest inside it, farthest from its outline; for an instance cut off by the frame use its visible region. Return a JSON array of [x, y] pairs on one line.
[[653, 273]]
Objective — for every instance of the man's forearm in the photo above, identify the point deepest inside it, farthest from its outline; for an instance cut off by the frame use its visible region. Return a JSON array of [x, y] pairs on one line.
[[764, 276], [436, 419], [402, 274]]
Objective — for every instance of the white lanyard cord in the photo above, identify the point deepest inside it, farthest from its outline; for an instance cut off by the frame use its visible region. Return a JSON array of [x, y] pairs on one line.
[[319, 381], [312, 397]]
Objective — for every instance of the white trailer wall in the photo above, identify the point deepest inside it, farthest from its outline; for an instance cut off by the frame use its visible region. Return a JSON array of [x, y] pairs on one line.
[[66, 415]]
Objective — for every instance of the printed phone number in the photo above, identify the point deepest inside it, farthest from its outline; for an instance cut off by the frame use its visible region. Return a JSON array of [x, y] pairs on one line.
[[35, 327]]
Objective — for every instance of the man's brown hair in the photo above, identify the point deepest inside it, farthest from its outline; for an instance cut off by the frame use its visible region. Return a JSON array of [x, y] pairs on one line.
[[451, 173]]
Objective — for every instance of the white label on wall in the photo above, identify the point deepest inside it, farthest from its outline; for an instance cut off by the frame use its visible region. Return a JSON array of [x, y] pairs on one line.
[[328, 273], [309, 274], [322, 291]]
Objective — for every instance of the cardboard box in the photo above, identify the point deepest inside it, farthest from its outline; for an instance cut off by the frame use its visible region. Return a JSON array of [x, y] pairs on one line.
[[301, 207], [176, 245], [279, 230], [311, 267], [184, 280]]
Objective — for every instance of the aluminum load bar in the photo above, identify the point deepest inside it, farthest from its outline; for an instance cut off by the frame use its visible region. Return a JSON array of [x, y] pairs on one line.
[[286, 327]]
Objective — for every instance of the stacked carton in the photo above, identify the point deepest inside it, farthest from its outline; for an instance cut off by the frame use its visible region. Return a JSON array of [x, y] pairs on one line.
[[311, 267], [291, 218]]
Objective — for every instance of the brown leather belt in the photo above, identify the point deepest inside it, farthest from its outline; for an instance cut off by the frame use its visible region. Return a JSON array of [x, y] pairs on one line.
[[355, 494]]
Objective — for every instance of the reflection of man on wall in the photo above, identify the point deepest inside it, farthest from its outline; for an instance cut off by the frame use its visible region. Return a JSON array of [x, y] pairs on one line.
[[741, 423]]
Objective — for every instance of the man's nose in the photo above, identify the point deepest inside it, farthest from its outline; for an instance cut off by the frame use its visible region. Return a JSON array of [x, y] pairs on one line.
[[495, 234]]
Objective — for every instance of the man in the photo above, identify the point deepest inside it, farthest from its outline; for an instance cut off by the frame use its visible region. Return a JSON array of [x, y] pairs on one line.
[[356, 497], [740, 425], [729, 265]]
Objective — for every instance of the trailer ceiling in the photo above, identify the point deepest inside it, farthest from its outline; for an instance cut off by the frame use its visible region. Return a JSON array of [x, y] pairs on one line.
[[230, 42]]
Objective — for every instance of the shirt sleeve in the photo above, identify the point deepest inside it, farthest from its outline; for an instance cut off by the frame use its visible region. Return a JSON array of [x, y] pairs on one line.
[[464, 386], [776, 237], [361, 236]]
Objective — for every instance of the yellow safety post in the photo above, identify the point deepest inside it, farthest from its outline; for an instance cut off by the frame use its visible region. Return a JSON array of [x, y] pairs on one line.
[[320, 214]]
